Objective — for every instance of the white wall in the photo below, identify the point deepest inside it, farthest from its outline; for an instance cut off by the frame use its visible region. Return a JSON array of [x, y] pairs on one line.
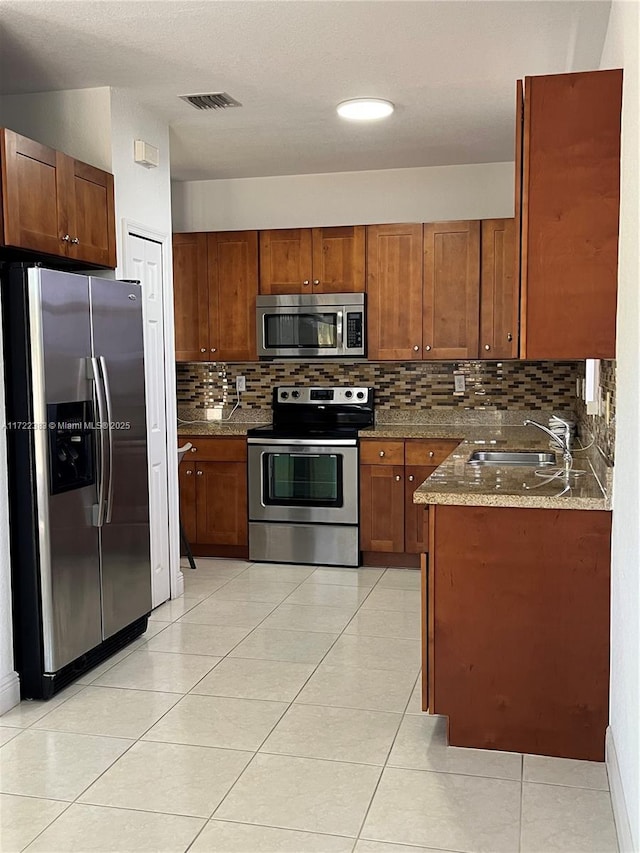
[[621, 49], [427, 194], [76, 121]]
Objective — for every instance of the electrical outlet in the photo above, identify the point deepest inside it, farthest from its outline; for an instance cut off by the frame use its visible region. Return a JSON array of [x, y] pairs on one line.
[[214, 414], [241, 383], [459, 384]]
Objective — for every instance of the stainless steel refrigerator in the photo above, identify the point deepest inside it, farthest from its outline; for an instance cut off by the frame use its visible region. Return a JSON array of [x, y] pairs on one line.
[[79, 503]]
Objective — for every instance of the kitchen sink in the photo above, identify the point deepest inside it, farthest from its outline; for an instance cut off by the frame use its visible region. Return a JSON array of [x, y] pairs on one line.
[[512, 457]]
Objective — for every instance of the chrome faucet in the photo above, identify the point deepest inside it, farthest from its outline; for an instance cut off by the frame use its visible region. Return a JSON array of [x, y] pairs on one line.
[[563, 442]]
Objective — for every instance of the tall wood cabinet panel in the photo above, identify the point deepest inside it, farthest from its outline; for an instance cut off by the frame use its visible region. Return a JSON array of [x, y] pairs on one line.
[[382, 499], [394, 291], [416, 516], [499, 302], [285, 261], [221, 503], [191, 297], [232, 264], [451, 300], [570, 204], [187, 486], [55, 204]]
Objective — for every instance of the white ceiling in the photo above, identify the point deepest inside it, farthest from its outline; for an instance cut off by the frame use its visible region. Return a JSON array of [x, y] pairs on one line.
[[450, 68]]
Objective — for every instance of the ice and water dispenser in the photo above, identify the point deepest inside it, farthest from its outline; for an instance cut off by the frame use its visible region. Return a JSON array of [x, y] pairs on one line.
[[72, 453]]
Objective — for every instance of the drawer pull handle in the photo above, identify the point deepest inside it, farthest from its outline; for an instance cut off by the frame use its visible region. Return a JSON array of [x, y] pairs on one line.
[[398, 478], [411, 478], [193, 449], [199, 473], [381, 453], [431, 454], [188, 472]]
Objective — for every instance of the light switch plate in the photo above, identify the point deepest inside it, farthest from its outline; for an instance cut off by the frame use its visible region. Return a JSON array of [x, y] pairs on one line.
[[459, 383]]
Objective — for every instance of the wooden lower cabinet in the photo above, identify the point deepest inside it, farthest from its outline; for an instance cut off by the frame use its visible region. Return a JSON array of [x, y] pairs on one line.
[[213, 496], [516, 628], [393, 529]]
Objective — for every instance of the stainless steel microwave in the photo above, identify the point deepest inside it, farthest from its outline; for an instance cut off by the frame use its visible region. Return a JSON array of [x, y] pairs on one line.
[[322, 325]]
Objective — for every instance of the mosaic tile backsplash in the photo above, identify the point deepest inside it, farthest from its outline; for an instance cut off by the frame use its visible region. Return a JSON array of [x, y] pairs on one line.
[[497, 386], [596, 426]]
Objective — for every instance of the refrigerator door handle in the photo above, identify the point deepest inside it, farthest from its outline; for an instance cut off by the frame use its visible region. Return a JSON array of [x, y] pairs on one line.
[[99, 508], [107, 394]]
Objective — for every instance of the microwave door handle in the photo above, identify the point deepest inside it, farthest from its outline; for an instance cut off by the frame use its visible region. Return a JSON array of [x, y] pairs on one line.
[[339, 317]]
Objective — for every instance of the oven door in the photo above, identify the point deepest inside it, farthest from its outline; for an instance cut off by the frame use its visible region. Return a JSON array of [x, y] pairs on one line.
[[302, 480], [300, 332]]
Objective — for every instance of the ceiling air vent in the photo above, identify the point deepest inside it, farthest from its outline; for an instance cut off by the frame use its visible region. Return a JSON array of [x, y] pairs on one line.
[[212, 101]]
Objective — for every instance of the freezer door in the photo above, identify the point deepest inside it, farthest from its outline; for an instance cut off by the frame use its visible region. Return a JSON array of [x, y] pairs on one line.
[[116, 311], [60, 335]]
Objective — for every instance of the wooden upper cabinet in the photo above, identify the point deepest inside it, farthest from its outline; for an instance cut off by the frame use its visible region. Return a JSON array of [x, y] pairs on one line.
[[32, 183], [191, 297], [338, 259], [394, 291], [499, 302], [570, 203], [55, 204], [451, 301], [313, 260], [285, 261], [91, 213], [233, 285]]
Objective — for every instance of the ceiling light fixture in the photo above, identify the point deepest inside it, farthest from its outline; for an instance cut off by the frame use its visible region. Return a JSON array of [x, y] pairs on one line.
[[365, 109]]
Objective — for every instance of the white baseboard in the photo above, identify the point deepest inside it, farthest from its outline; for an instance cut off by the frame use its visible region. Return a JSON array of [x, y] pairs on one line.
[[620, 813], [9, 691]]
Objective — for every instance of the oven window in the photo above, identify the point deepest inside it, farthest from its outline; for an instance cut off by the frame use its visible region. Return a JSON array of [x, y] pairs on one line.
[[297, 479], [296, 331]]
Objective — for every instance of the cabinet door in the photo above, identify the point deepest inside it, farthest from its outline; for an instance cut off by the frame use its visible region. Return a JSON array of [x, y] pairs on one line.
[[382, 508], [451, 303], [285, 261], [88, 195], [187, 485], [32, 185], [394, 291], [338, 259], [232, 263], [570, 202], [221, 503], [416, 516], [191, 297], [498, 290]]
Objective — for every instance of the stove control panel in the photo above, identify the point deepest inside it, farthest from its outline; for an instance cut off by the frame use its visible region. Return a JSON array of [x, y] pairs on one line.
[[322, 396]]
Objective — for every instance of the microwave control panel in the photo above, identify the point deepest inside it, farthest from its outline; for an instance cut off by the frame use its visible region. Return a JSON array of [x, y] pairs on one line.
[[354, 329]]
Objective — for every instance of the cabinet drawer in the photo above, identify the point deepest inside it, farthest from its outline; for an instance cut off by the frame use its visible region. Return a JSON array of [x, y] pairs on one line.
[[429, 451], [382, 452], [206, 449]]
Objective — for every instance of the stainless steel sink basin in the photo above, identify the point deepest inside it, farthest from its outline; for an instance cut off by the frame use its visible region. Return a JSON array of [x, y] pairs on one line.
[[512, 457]]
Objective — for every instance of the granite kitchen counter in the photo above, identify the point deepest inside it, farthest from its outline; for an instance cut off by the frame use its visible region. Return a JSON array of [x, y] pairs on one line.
[[216, 428], [456, 482]]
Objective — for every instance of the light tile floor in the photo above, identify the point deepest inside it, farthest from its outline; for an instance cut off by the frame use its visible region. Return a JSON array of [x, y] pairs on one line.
[[276, 708]]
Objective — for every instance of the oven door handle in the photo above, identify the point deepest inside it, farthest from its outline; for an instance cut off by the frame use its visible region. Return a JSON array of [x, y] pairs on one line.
[[304, 442]]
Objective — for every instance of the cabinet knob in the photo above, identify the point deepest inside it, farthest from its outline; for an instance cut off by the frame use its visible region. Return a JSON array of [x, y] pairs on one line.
[[213, 349], [316, 281], [398, 478], [66, 238], [199, 473], [411, 478], [381, 453], [306, 282], [203, 349], [428, 348], [75, 240], [189, 472], [416, 348], [431, 454], [509, 337], [487, 347], [193, 449]]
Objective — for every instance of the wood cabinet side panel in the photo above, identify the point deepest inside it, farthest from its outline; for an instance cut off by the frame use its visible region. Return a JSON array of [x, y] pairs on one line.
[[522, 628], [571, 197], [416, 516], [382, 501], [187, 486], [498, 290], [221, 503]]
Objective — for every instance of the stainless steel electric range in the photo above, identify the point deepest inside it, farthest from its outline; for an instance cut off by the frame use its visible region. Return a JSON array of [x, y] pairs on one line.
[[303, 476]]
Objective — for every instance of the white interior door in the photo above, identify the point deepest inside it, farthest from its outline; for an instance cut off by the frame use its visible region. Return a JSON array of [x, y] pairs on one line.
[[144, 263]]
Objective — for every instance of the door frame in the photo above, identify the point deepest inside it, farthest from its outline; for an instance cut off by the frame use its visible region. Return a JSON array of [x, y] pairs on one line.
[[135, 229]]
